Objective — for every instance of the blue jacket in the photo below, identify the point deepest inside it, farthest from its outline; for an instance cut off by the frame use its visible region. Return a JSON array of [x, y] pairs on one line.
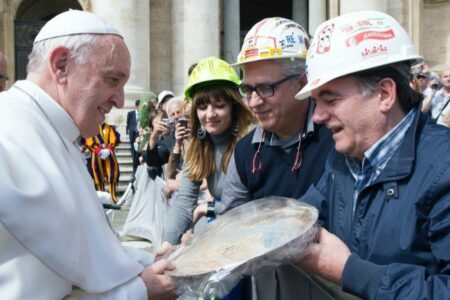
[[400, 234]]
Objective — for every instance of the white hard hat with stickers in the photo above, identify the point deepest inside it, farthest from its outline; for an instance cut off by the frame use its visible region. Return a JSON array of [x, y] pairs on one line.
[[274, 38], [355, 42]]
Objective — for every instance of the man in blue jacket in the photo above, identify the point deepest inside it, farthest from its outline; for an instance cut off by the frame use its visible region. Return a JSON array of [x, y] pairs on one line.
[[385, 195]]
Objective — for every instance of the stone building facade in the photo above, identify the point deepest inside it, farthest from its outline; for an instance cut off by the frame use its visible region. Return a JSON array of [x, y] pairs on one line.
[[166, 36]]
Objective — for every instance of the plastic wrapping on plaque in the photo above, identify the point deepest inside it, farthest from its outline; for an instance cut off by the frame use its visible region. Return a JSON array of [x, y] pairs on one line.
[[254, 237]]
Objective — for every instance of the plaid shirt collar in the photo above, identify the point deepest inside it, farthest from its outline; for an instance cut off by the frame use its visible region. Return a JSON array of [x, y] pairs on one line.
[[377, 156]]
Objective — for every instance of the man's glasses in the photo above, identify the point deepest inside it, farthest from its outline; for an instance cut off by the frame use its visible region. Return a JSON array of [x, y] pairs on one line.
[[264, 90], [4, 78]]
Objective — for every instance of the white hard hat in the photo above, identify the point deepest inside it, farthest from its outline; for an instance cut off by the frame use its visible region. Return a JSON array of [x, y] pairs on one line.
[[355, 42], [74, 22], [163, 95], [274, 38]]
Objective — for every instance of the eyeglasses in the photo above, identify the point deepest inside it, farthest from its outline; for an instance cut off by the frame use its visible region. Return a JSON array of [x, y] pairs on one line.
[[264, 90], [4, 78], [421, 77]]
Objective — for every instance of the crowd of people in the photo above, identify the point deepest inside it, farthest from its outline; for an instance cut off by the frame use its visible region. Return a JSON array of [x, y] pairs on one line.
[[352, 122]]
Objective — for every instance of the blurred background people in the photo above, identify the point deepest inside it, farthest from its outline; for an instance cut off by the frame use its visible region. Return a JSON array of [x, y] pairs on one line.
[[440, 105], [132, 128], [163, 97]]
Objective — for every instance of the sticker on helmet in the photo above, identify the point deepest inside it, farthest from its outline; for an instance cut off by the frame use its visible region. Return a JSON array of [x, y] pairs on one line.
[[324, 37]]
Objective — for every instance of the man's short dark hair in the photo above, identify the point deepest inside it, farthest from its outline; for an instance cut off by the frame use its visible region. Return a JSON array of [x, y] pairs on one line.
[[191, 68], [407, 97], [137, 102]]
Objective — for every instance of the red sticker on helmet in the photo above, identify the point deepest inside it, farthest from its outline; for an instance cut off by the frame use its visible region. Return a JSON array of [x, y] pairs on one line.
[[369, 35]]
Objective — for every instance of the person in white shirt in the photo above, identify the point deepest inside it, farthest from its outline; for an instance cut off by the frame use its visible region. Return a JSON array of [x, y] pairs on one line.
[[54, 235], [440, 110]]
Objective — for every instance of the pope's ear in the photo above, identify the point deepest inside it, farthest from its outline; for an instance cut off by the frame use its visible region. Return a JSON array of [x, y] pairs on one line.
[[59, 60]]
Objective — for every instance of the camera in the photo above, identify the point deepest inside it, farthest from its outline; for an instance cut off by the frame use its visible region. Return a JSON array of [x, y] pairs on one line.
[[434, 86], [169, 123], [183, 122]]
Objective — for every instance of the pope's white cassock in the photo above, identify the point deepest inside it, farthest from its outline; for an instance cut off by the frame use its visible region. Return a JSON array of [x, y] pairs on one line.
[[53, 231]]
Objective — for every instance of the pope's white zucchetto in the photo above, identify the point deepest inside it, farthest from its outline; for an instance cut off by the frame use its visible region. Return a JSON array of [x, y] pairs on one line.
[[74, 22]]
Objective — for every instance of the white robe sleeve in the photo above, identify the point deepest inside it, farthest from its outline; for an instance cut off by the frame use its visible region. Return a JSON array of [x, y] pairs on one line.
[[133, 289], [23, 276]]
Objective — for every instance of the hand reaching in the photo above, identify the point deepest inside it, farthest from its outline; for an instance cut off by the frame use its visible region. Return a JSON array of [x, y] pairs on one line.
[[172, 185], [181, 133], [199, 212], [159, 286], [165, 249]]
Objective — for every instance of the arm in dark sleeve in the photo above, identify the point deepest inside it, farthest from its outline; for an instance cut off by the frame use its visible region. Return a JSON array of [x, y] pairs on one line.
[[409, 281], [316, 196], [234, 192], [157, 156]]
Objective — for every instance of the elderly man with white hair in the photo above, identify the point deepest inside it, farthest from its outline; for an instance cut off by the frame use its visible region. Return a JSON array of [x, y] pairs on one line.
[[53, 231]]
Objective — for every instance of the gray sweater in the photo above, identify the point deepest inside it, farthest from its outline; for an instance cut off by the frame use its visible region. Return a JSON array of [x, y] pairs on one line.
[[179, 217]]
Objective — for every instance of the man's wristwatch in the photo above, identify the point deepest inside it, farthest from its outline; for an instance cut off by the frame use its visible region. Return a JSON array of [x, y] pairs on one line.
[[210, 209]]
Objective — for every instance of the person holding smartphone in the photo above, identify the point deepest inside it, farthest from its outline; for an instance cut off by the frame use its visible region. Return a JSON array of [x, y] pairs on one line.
[[219, 119]]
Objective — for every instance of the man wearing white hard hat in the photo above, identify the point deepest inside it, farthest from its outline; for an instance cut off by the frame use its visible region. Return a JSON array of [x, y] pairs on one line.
[[286, 152], [384, 198], [53, 230]]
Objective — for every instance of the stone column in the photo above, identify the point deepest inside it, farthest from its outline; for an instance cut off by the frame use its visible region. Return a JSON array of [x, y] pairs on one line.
[[7, 40], [415, 22], [132, 19], [333, 8], [161, 45], [317, 11], [195, 35], [300, 13], [357, 5], [231, 29]]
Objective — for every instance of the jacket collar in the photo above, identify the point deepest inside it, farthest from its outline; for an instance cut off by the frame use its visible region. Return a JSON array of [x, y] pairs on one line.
[[401, 163]]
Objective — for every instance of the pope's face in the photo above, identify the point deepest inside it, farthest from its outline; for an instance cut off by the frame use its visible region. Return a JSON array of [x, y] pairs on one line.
[[97, 86]]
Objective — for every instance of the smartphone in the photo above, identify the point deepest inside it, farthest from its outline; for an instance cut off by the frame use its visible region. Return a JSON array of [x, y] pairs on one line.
[[183, 122]]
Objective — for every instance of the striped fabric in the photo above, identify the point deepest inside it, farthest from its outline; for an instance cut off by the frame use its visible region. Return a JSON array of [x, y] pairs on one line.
[[107, 170]]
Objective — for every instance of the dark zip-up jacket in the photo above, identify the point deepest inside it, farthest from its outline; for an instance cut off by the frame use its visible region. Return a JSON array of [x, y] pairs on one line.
[[399, 235]]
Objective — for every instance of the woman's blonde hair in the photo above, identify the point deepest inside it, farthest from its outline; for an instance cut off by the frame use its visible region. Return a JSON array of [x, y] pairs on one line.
[[199, 158]]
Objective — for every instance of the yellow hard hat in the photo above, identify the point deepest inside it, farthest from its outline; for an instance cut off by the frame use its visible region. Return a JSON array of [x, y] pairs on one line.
[[208, 71]]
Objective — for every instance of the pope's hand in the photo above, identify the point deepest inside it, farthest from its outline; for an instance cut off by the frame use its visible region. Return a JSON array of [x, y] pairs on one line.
[[159, 286]]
